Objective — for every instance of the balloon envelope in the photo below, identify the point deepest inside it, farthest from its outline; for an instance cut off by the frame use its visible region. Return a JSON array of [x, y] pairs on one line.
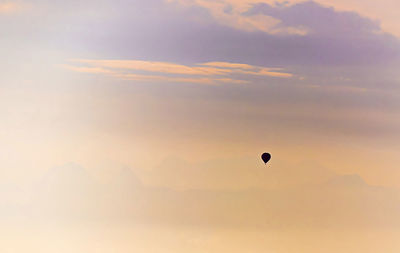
[[266, 157]]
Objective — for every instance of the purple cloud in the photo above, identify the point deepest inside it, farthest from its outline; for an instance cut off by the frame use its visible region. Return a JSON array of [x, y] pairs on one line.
[[172, 33], [163, 31]]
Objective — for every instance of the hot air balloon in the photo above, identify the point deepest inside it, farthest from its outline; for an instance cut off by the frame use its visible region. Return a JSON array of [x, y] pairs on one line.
[[266, 157]]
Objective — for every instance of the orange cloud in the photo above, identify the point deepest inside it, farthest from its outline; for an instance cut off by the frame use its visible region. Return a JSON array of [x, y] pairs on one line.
[[162, 67], [89, 70], [153, 78], [203, 73], [228, 65]]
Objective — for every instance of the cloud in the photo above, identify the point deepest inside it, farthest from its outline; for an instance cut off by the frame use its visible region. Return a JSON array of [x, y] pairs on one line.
[[384, 12], [335, 33], [190, 35], [161, 67], [229, 15], [203, 73], [319, 19], [228, 65]]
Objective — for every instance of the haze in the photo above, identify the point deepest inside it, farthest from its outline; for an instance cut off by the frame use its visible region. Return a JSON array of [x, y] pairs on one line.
[[137, 126]]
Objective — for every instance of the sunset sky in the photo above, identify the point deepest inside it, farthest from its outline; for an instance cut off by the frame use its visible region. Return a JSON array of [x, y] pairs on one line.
[[150, 116]]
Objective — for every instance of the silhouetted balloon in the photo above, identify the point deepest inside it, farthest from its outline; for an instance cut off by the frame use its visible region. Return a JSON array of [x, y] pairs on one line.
[[266, 157]]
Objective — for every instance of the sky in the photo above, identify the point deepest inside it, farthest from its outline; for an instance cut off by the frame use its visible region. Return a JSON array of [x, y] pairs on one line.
[[149, 118]]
